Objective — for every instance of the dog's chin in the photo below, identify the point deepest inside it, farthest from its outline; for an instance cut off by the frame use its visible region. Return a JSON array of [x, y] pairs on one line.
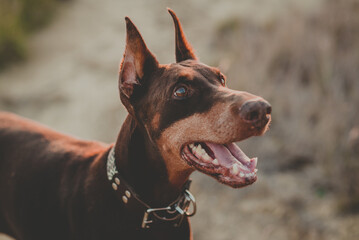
[[225, 162]]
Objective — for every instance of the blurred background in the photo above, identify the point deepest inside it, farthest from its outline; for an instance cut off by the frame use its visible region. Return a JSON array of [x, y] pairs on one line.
[[59, 62]]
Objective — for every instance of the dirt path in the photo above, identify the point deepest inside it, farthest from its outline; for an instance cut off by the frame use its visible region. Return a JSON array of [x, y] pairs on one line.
[[70, 84]]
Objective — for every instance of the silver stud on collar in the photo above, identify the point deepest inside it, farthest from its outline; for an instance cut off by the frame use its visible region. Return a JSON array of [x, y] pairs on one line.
[[124, 199], [128, 194], [117, 181], [114, 186]]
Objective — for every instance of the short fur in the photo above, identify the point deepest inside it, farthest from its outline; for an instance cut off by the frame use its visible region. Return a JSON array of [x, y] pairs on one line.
[[53, 186]]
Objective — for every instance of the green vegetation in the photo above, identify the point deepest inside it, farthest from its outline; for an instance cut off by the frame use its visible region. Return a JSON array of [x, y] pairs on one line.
[[18, 18]]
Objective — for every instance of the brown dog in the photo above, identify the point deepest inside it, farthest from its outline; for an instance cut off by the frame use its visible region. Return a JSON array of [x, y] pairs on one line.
[[181, 118]]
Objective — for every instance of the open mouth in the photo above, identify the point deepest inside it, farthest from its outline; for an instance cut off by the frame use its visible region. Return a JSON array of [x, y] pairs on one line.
[[225, 162]]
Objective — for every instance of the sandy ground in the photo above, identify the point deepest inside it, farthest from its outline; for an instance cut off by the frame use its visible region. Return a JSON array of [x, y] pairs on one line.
[[70, 84]]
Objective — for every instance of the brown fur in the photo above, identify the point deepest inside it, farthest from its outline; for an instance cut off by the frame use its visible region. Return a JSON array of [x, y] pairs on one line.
[[53, 186]]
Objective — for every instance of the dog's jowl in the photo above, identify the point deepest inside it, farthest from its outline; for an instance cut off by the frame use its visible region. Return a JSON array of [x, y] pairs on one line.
[[182, 118]]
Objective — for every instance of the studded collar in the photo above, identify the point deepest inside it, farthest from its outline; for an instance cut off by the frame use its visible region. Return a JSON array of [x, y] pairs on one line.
[[148, 217]]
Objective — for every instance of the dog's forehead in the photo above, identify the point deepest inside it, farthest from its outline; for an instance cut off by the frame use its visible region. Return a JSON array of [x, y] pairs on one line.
[[190, 70]]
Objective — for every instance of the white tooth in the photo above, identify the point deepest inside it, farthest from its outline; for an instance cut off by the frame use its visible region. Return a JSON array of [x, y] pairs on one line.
[[243, 168], [248, 175], [235, 169], [241, 174], [205, 155], [255, 161], [191, 145], [206, 158], [199, 147], [215, 162], [198, 151], [255, 170]]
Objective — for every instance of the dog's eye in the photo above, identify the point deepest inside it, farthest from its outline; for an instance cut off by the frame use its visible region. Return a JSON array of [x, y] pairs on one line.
[[181, 92], [223, 80]]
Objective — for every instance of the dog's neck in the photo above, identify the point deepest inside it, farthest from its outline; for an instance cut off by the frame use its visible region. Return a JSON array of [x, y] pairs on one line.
[[142, 166]]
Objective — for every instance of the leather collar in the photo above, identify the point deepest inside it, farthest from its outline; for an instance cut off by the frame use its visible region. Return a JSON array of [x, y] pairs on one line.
[[172, 214]]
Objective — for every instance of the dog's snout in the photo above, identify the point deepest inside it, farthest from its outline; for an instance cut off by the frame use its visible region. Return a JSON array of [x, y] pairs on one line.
[[255, 111]]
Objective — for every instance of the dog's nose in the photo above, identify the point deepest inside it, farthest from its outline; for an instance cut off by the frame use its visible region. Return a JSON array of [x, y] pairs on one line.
[[255, 112]]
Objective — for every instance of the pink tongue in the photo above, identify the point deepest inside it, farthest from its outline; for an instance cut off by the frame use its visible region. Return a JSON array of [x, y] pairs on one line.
[[228, 155], [238, 153]]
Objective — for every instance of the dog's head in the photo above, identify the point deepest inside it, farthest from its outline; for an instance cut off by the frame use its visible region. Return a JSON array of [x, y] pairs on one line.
[[189, 114]]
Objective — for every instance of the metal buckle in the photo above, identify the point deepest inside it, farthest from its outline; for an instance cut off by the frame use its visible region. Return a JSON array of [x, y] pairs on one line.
[[179, 209], [183, 206], [146, 221]]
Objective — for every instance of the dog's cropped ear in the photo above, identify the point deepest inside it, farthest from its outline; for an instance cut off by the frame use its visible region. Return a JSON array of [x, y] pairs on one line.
[[137, 62], [184, 50]]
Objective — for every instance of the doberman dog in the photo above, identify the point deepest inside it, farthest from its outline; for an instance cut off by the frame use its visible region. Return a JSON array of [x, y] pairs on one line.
[[182, 118]]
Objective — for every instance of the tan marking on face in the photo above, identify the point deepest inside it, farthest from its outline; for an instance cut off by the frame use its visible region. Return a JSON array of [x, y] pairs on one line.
[[155, 121], [219, 125], [187, 73]]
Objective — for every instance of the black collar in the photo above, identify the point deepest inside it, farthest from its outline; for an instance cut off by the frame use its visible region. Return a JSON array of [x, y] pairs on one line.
[[172, 214]]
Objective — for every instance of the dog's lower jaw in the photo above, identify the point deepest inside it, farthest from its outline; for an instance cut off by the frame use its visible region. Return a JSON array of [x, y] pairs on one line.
[[178, 173], [178, 169]]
